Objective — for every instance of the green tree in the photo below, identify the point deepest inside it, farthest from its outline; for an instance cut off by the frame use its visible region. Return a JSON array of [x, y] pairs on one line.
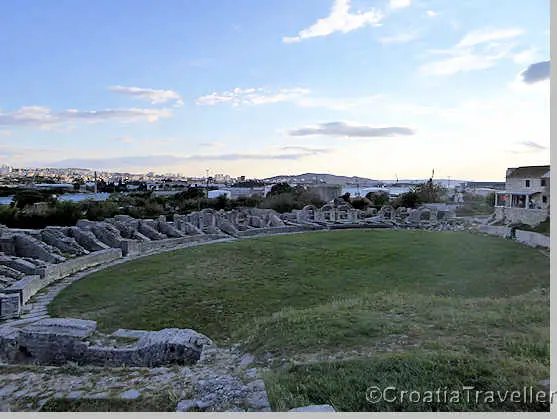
[[361, 203], [428, 191], [409, 200], [222, 202], [280, 188], [77, 182], [490, 199], [378, 199], [29, 197]]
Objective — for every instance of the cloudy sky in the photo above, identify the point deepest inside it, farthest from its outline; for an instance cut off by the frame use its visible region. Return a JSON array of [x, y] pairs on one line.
[[371, 88]]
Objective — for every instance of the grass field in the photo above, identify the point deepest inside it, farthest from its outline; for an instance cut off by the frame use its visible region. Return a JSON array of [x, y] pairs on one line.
[[415, 308]]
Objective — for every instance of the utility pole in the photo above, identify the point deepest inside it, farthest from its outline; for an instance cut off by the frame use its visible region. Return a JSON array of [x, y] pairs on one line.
[[207, 182]]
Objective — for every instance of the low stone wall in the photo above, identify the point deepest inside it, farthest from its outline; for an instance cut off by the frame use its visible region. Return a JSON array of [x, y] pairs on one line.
[[29, 285], [71, 266], [25, 288], [498, 231], [270, 230], [136, 247], [532, 217], [354, 225], [529, 238]]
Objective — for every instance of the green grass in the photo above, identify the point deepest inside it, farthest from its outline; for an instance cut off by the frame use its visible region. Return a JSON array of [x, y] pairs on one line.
[[159, 403], [392, 303], [343, 384]]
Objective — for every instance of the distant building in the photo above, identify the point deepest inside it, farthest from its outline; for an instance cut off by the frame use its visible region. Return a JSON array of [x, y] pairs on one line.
[[526, 195], [247, 192], [326, 192], [218, 192]]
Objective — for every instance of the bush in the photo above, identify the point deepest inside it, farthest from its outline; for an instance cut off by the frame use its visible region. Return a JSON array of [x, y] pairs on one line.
[[30, 197], [378, 199], [408, 200]]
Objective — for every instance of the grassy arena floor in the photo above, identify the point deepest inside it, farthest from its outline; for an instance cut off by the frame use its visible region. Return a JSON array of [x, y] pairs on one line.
[[426, 309]]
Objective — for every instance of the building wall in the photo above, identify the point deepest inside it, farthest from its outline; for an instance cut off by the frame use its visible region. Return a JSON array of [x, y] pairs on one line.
[[519, 185]]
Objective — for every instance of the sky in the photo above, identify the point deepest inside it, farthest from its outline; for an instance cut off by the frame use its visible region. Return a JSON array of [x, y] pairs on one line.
[[370, 88]]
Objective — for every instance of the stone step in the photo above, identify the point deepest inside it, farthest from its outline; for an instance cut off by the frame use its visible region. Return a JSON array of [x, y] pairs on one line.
[[22, 322], [34, 316]]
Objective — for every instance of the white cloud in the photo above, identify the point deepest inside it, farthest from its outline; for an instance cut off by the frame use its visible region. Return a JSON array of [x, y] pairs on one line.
[[298, 96], [400, 38], [211, 144], [432, 13], [399, 4], [155, 96], [169, 160], [477, 50], [44, 118], [349, 130], [252, 96], [304, 149], [339, 20], [127, 140], [482, 36], [6, 132], [526, 56]]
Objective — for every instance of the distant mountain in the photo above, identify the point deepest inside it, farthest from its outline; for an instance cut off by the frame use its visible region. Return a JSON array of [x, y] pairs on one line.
[[327, 178], [320, 178]]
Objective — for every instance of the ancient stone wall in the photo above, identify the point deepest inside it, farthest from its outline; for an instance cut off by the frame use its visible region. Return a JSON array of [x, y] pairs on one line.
[[57, 341], [499, 231], [136, 247], [529, 238], [531, 217]]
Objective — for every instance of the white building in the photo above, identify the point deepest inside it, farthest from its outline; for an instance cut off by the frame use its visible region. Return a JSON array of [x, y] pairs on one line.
[[526, 195]]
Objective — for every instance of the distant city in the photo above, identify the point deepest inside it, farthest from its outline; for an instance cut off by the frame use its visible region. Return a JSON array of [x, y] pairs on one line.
[[11, 175]]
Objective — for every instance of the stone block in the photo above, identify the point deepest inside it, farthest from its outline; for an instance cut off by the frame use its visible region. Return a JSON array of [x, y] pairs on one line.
[[108, 234], [56, 238], [168, 230], [7, 245], [171, 345], [56, 341], [75, 328], [150, 232], [87, 239], [20, 265], [27, 246], [9, 343], [10, 305], [8, 272], [25, 288]]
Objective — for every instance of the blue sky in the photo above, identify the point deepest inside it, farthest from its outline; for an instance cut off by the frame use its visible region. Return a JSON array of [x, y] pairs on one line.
[[258, 88]]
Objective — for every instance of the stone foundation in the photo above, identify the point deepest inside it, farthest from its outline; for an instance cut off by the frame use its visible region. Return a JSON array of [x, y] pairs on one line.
[[57, 341]]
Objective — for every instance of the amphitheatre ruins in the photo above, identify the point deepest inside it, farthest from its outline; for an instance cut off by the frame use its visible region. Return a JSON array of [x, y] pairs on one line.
[[37, 264]]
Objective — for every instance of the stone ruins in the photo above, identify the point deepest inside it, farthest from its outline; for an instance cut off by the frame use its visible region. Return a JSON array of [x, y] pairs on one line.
[[58, 341], [32, 259]]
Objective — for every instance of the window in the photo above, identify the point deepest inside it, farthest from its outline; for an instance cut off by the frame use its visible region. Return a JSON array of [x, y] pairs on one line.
[[544, 199], [527, 182], [542, 182]]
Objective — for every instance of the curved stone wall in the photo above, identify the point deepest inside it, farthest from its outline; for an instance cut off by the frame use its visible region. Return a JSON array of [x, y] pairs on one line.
[[33, 259]]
